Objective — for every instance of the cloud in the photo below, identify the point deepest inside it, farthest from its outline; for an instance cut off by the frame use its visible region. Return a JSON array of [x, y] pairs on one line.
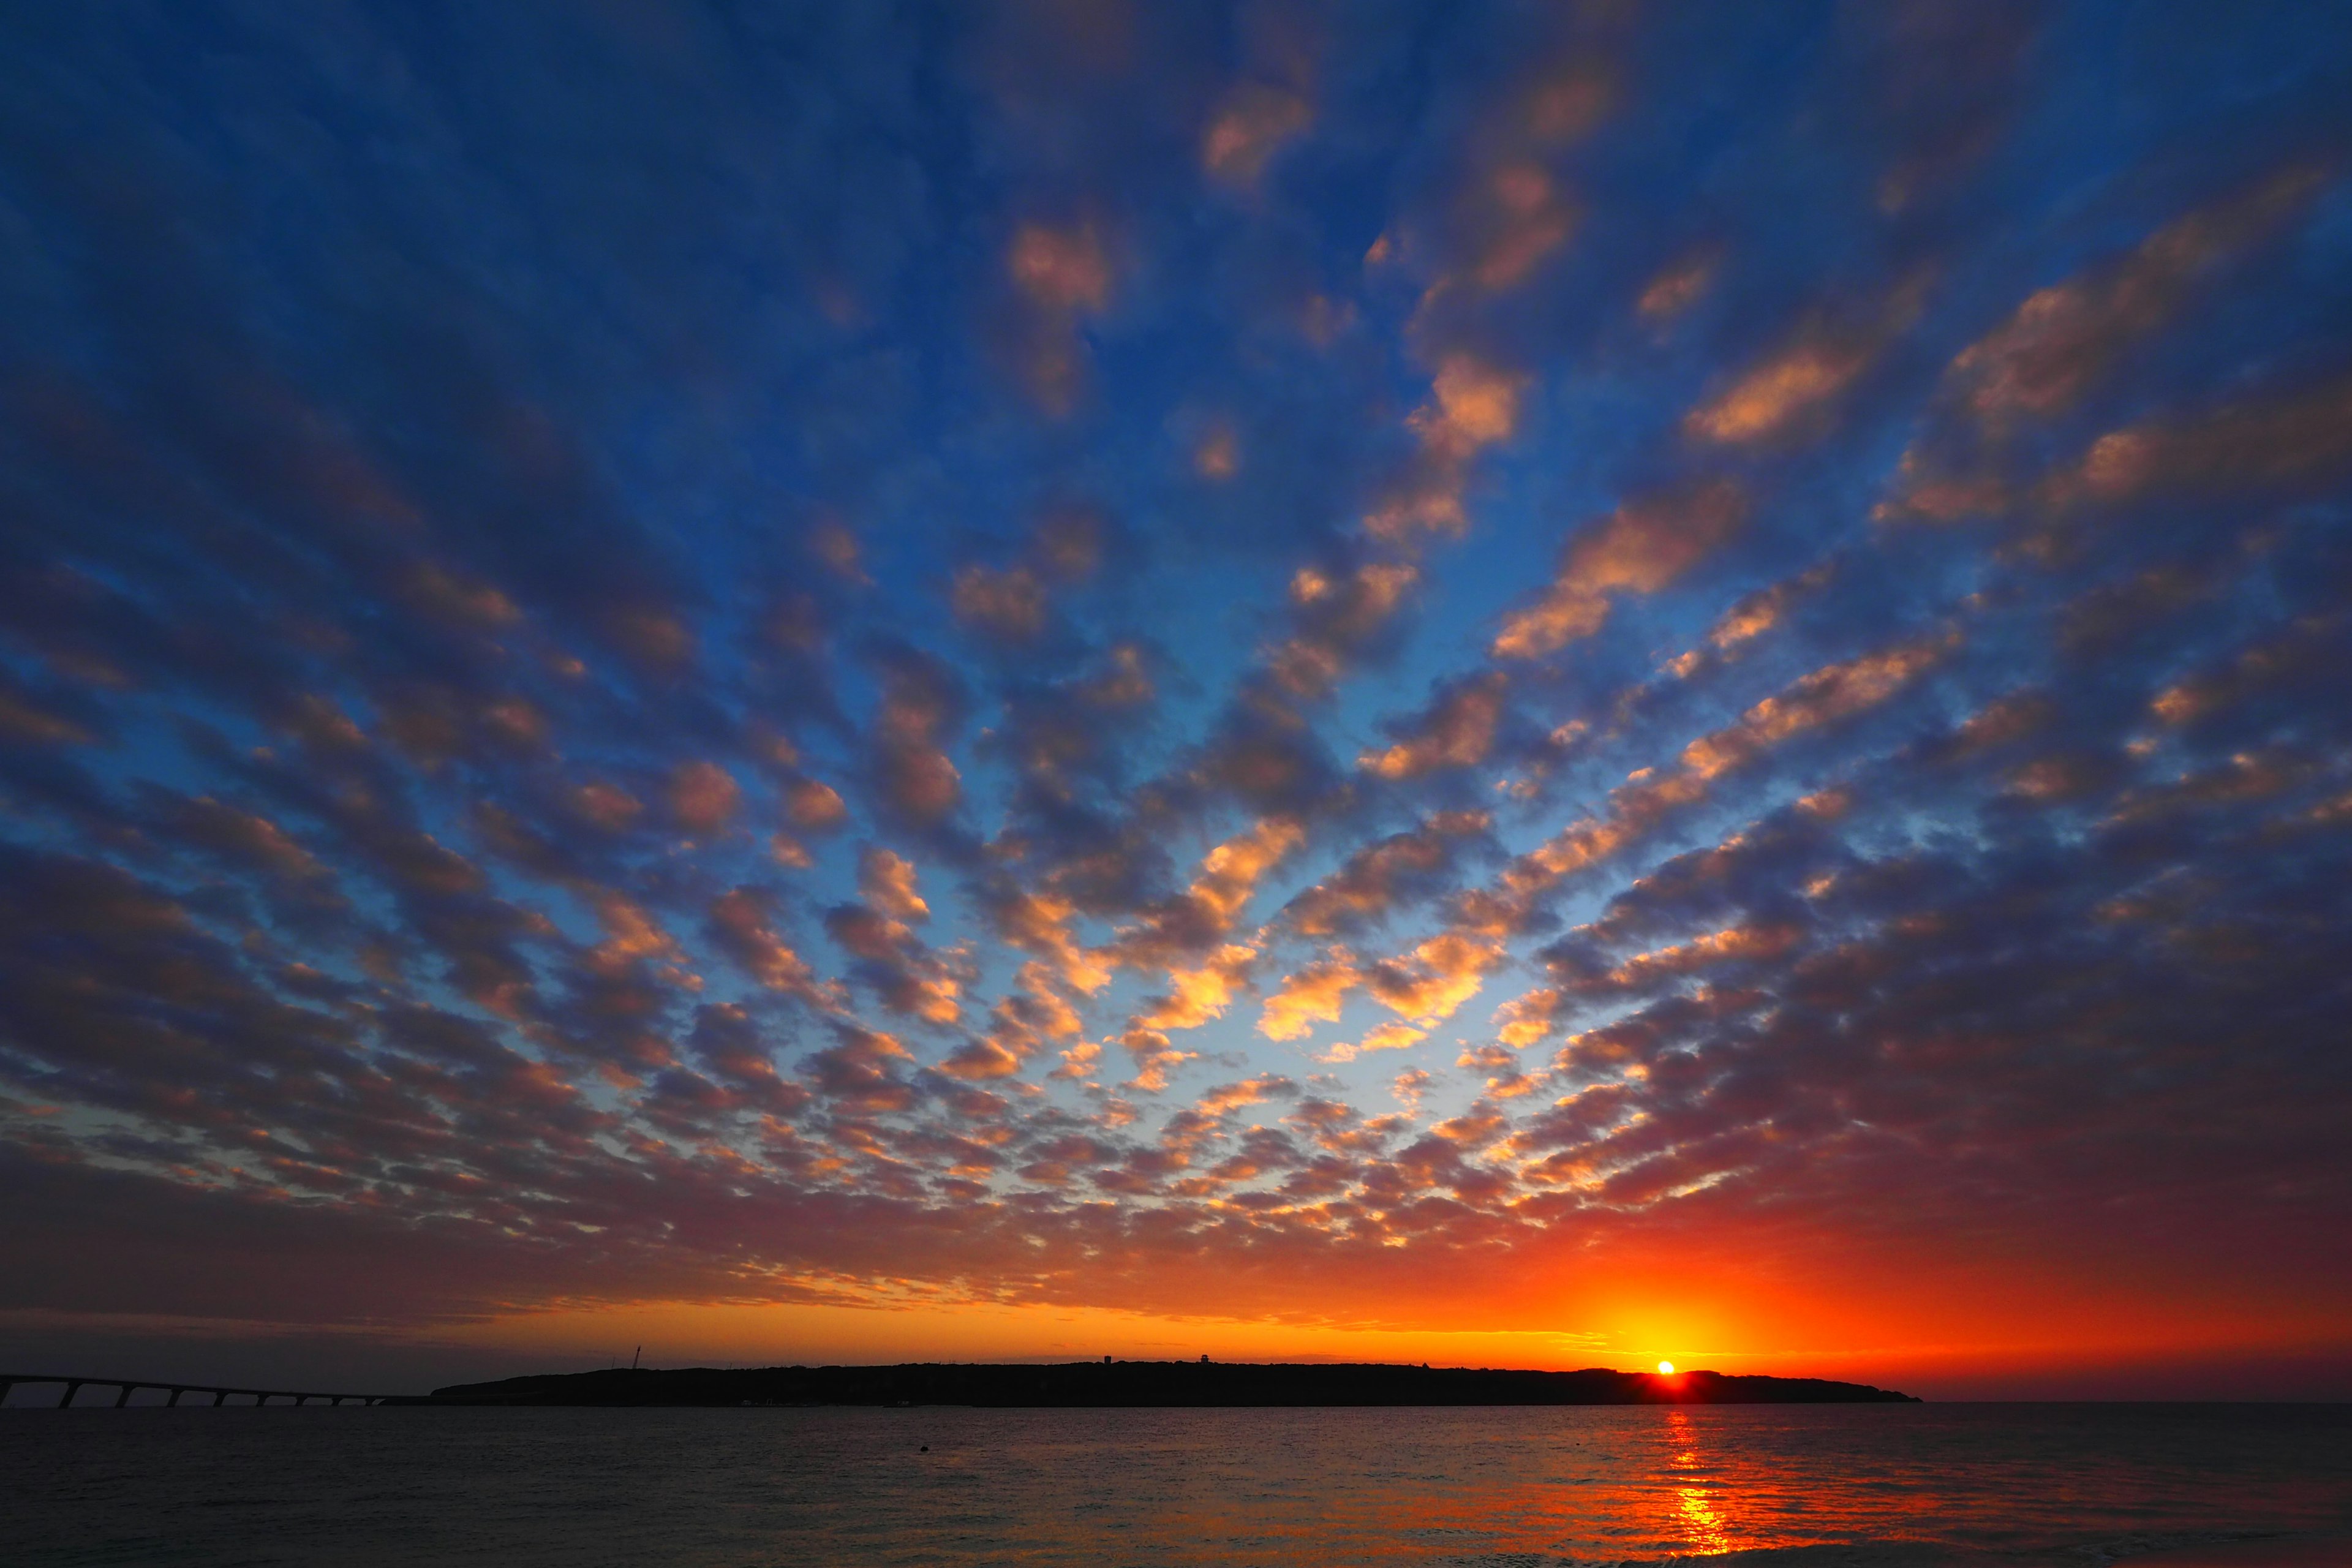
[[702, 796], [1432, 980], [1389, 873], [1155, 1059], [1008, 605], [1198, 920], [1829, 694], [2065, 340], [1229, 1096], [922, 700], [1677, 287], [1473, 404], [1640, 548], [434, 707], [1248, 126], [1313, 994], [1061, 275], [1456, 733], [1792, 392], [1198, 993], [1339, 617], [886, 882], [1761, 611], [2310, 647], [814, 806], [1517, 219], [1060, 268], [2066, 337], [908, 975], [741, 927], [1390, 1036], [859, 1072], [2263, 444]]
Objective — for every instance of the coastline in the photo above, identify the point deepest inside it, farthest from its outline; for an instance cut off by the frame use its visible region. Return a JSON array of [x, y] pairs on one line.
[[1147, 1385]]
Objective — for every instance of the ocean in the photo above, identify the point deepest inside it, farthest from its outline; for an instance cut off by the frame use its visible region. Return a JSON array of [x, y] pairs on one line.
[[1854, 1486]]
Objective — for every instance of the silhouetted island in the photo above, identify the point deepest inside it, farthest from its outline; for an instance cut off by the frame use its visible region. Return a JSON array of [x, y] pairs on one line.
[[1149, 1382]]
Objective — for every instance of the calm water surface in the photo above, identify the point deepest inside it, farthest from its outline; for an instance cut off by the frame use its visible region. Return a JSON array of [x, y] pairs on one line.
[[1827, 1484]]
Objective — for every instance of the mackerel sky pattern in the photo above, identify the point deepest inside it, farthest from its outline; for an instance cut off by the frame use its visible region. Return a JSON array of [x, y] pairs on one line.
[[1340, 664]]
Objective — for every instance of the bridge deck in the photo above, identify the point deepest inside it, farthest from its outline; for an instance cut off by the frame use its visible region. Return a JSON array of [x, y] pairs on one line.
[[126, 1386]]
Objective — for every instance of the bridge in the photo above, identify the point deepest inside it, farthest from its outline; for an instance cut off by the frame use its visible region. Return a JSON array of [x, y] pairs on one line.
[[126, 1386]]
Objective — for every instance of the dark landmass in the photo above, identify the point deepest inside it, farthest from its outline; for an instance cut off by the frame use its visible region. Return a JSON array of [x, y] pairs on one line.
[[1148, 1382]]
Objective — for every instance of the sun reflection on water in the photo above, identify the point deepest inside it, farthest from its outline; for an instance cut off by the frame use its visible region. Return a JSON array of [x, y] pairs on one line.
[[1702, 1524]]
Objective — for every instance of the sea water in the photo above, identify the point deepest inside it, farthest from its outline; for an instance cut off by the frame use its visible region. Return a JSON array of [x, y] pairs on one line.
[[1848, 1485]]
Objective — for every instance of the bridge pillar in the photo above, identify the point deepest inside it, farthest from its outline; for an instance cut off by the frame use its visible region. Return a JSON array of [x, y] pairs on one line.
[[73, 1386], [175, 1397], [220, 1397], [124, 1398]]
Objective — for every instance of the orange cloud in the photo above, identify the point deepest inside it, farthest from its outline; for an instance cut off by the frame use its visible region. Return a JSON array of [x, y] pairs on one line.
[[1825, 696], [453, 598], [1200, 992], [1759, 611], [1640, 548], [917, 777], [1429, 984], [814, 806], [1010, 605], [1523, 217], [837, 548], [1833, 692], [1389, 1036], [1155, 1059], [1457, 733], [702, 796], [1473, 404], [1250, 125], [1227, 1096], [2270, 443], [1219, 454], [2064, 337], [1374, 878], [1229, 872], [1733, 943], [2310, 643], [1314, 994], [887, 881], [1791, 393], [1060, 268], [1677, 287], [2003, 722], [739, 926], [1040, 923], [1062, 275]]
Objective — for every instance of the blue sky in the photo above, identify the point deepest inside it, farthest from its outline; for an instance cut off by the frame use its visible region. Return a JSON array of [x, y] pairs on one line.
[[1329, 667]]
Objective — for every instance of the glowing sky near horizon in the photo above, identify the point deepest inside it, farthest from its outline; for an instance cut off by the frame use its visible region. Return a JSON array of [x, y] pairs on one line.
[[1676, 679]]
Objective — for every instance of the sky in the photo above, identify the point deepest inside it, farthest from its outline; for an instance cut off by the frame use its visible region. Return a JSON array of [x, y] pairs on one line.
[[1510, 685]]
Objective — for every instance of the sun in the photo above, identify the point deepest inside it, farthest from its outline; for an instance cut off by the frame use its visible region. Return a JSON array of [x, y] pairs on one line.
[[1666, 1369]]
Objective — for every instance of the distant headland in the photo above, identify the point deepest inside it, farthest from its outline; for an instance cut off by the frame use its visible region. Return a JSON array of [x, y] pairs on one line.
[[1165, 1383]]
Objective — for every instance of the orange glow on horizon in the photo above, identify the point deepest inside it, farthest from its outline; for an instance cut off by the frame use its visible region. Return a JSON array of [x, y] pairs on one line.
[[1789, 1342]]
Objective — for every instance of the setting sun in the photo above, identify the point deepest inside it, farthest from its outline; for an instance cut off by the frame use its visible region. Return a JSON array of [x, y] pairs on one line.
[[1666, 1369]]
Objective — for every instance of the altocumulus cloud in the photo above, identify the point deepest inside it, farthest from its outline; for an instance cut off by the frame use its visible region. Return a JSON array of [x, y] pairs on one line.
[[1266, 660]]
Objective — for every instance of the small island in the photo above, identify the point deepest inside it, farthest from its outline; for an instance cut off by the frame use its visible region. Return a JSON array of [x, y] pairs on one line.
[[1161, 1383]]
